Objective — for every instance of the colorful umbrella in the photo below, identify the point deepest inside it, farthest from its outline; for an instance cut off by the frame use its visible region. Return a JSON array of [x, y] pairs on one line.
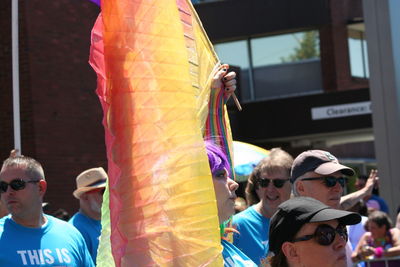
[[246, 157]]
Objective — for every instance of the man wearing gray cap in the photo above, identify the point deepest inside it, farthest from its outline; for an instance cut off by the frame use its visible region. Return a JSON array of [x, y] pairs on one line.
[[90, 188], [318, 174]]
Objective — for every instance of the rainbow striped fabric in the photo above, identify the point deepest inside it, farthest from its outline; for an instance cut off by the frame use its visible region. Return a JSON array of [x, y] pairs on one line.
[[154, 62]]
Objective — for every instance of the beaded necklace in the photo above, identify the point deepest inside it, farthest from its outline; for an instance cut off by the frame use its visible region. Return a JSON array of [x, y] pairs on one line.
[[384, 242], [381, 241]]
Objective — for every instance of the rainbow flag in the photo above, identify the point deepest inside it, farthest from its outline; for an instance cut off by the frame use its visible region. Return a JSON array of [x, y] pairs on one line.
[[154, 63]]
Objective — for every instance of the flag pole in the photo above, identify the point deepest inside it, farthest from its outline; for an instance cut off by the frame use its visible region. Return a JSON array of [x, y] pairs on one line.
[[15, 75]]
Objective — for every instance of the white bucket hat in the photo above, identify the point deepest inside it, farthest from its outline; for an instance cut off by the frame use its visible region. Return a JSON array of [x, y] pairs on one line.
[[89, 180]]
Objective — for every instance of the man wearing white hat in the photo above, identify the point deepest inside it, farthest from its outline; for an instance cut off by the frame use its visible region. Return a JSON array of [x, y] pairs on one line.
[[90, 188]]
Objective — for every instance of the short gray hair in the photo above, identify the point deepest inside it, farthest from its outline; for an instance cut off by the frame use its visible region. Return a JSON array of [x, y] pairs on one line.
[[294, 188], [32, 167]]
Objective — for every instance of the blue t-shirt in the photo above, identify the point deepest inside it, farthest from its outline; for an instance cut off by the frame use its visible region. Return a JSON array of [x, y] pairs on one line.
[[233, 257], [56, 243], [90, 230], [382, 203], [253, 234]]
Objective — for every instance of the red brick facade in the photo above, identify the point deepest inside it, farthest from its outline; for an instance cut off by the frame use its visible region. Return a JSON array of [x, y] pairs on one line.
[[60, 112]]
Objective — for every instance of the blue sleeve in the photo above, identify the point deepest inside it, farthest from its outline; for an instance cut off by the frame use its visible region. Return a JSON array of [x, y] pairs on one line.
[[84, 255], [382, 203], [384, 206], [87, 260], [236, 225]]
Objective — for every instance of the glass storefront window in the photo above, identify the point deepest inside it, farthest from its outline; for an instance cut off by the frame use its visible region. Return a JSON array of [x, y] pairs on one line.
[[275, 66], [285, 48], [358, 50], [234, 53]]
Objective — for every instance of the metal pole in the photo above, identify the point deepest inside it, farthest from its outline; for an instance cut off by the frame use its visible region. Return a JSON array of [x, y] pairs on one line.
[[251, 76], [15, 75], [362, 40], [382, 29]]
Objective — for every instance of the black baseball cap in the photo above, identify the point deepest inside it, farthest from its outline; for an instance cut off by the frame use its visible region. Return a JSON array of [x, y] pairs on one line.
[[295, 212], [318, 161]]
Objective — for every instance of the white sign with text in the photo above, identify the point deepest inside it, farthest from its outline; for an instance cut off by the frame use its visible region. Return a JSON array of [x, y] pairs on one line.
[[345, 110]]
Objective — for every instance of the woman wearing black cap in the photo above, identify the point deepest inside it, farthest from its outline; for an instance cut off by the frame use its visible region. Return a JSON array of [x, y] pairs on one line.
[[304, 232]]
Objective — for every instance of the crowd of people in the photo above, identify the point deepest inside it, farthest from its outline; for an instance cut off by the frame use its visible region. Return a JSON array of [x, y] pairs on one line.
[[280, 186], [28, 237], [294, 214]]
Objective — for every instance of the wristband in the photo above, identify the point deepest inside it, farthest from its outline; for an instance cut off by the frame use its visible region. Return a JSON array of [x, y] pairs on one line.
[[378, 252]]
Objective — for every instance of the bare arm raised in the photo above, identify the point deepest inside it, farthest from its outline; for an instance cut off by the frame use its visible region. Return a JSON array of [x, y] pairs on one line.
[[348, 201]]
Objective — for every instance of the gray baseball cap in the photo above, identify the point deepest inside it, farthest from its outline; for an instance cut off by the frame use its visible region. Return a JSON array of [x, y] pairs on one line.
[[318, 161]]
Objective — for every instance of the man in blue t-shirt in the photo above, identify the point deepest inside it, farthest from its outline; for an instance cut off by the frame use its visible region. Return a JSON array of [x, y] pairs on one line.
[[55, 243], [27, 236], [90, 188], [267, 187]]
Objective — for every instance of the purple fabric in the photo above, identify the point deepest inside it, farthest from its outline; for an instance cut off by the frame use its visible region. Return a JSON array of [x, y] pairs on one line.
[[216, 158], [97, 2]]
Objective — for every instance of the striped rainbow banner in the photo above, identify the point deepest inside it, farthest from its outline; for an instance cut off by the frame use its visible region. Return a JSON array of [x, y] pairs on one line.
[[154, 63]]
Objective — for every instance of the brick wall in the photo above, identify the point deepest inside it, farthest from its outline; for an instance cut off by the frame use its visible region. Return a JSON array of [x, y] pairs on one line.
[[69, 136], [60, 112], [6, 123]]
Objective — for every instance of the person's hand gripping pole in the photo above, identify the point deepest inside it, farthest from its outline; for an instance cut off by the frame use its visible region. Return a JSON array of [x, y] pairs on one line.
[[227, 82]]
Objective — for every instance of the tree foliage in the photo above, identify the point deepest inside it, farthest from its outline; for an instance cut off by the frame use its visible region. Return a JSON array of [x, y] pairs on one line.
[[307, 48]]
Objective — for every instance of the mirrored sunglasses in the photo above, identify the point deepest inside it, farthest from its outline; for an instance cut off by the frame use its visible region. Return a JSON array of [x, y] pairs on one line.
[[325, 234], [278, 183], [16, 184], [329, 181]]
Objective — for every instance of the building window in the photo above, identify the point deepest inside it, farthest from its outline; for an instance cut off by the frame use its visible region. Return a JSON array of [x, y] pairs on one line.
[[237, 54], [285, 48], [358, 50], [275, 66]]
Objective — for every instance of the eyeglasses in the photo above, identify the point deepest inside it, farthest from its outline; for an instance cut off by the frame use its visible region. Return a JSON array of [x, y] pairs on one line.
[[278, 183], [329, 181], [325, 234], [16, 184]]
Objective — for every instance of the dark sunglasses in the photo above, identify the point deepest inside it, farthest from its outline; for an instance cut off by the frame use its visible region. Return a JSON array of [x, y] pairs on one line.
[[97, 190], [329, 181], [278, 183], [325, 234], [16, 184]]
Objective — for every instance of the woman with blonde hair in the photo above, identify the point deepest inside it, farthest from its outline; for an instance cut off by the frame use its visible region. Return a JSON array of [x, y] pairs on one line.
[[267, 187]]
